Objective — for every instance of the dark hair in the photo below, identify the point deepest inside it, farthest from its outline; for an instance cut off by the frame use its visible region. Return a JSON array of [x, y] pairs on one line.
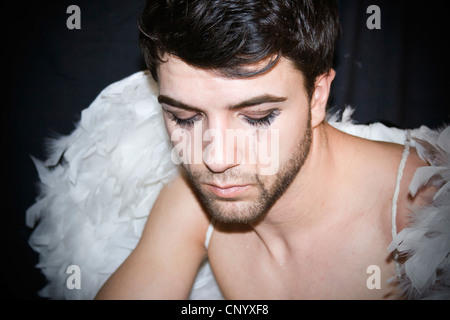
[[229, 35]]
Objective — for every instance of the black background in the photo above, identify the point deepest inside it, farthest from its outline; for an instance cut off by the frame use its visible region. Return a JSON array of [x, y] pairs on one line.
[[398, 75]]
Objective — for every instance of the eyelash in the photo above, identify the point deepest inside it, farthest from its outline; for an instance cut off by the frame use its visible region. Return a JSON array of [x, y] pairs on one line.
[[265, 121], [184, 123]]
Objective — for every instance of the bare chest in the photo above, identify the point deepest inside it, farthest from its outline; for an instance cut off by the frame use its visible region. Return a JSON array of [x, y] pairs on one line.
[[333, 267]]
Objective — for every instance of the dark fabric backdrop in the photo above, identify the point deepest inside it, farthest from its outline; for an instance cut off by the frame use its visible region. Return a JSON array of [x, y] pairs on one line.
[[398, 74]]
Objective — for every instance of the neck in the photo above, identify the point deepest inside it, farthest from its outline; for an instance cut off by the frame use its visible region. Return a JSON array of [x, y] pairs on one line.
[[302, 207]]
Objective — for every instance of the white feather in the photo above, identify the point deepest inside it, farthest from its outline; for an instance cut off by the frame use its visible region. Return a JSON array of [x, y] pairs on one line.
[[426, 241], [92, 205]]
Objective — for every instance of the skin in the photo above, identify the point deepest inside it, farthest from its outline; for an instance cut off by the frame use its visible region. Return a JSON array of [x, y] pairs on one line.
[[315, 241], [220, 113]]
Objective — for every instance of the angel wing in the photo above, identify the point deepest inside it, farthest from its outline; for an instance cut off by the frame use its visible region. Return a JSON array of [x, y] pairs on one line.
[[97, 188]]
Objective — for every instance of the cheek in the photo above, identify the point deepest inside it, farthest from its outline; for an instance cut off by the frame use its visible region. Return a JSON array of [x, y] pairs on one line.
[[292, 129], [170, 126]]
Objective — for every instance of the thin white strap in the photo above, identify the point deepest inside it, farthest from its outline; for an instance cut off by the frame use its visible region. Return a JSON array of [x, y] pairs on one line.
[[401, 168], [209, 233]]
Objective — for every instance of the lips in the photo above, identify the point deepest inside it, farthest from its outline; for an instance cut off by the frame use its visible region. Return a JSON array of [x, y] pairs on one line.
[[227, 191]]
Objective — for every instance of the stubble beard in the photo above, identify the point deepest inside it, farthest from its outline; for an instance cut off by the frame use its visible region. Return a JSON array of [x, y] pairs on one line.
[[251, 211]]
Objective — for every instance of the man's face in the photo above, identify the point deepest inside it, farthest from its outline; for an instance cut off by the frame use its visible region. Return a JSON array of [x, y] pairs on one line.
[[250, 118]]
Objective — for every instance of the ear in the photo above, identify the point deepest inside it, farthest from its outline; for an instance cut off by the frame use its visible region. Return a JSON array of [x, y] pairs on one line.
[[320, 97]]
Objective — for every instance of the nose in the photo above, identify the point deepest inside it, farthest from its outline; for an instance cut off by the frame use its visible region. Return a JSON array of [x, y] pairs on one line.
[[219, 148]]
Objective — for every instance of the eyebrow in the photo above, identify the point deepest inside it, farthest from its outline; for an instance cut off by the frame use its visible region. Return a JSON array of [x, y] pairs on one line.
[[265, 98]]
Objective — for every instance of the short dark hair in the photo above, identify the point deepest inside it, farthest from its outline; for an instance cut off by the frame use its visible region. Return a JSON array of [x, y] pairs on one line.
[[228, 35]]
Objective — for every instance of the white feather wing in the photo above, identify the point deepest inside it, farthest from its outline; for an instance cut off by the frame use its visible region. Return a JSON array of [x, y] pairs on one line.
[[93, 205]]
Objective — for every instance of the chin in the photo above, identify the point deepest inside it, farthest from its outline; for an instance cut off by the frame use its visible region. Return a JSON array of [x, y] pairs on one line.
[[235, 211]]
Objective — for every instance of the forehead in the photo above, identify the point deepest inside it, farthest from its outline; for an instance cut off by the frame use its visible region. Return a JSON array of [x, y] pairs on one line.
[[182, 81]]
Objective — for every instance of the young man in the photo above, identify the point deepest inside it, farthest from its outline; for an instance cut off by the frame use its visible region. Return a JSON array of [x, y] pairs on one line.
[[311, 228]]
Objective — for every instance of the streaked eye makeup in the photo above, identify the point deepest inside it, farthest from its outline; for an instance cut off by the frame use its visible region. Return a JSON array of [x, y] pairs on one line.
[[264, 121], [186, 115]]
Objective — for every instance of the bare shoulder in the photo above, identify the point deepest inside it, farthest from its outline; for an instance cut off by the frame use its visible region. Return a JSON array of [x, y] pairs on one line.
[[384, 159], [164, 263], [178, 208]]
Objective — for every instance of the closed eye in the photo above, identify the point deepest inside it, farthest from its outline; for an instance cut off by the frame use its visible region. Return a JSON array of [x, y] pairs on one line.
[[251, 120], [183, 122], [264, 121]]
